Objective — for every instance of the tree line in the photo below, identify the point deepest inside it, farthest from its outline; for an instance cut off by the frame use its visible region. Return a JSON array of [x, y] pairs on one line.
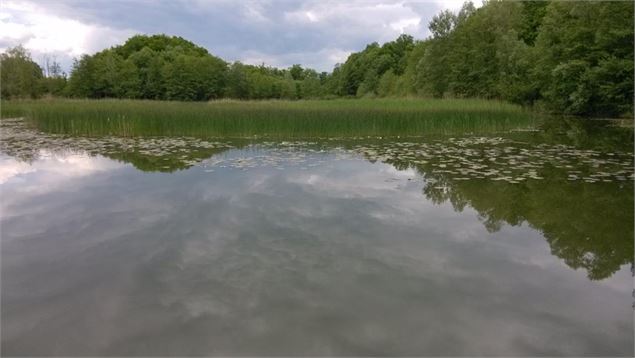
[[567, 57]]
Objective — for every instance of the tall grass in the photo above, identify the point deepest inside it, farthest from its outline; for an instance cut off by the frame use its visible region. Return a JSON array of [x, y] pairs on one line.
[[325, 118]]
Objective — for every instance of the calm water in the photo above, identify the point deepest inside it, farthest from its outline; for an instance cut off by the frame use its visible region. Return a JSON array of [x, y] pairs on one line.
[[511, 244]]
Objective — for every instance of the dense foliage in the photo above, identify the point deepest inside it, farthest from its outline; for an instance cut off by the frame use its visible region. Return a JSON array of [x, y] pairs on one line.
[[21, 77], [569, 57], [150, 67]]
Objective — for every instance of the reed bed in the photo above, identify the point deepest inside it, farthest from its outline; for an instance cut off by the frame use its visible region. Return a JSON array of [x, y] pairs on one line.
[[228, 118]]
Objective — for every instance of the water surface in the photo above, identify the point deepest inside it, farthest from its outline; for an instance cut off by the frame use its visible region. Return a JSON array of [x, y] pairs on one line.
[[515, 244]]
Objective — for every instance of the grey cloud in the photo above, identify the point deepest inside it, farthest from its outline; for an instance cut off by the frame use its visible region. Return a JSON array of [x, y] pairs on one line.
[[281, 32]]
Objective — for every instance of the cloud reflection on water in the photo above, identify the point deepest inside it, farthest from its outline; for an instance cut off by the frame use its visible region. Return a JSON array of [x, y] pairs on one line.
[[346, 257]]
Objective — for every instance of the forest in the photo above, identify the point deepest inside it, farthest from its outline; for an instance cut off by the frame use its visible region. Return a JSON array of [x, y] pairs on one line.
[[561, 57]]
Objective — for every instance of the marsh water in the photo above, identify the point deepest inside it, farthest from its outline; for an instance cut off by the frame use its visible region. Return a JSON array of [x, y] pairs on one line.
[[517, 243]]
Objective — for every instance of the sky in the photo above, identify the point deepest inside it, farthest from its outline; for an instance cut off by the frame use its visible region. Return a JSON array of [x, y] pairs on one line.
[[316, 34]]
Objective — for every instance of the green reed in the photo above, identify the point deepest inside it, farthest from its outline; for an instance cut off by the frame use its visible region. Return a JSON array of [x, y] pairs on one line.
[[316, 118]]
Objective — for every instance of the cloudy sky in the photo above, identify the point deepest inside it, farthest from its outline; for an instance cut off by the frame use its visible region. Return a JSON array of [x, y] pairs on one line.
[[316, 34]]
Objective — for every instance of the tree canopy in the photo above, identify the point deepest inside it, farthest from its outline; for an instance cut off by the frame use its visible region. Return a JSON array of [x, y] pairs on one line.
[[20, 76], [572, 57]]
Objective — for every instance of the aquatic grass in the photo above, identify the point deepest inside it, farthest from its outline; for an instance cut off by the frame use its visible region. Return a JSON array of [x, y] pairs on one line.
[[274, 118]]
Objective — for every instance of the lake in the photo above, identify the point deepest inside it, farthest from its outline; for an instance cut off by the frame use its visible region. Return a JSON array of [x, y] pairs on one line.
[[517, 243]]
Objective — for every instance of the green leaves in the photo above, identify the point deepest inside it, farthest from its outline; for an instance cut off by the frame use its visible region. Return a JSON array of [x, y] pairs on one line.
[[574, 57], [150, 67], [20, 76], [586, 58]]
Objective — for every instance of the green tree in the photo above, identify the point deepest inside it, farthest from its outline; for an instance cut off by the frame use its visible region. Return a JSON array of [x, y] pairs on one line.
[[190, 78], [585, 65], [432, 70], [387, 84], [297, 72], [237, 84], [153, 67], [20, 76], [532, 14], [149, 64], [311, 85], [442, 24], [159, 44], [107, 75], [82, 77], [288, 88]]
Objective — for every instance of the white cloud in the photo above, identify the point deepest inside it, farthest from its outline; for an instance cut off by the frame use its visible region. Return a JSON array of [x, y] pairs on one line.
[[323, 59], [404, 25], [10, 168], [52, 168], [455, 5], [384, 21], [43, 33], [49, 172]]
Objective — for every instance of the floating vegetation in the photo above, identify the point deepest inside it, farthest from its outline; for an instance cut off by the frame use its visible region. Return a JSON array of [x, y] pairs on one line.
[[166, 154], [456, 158], [501, 159]]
